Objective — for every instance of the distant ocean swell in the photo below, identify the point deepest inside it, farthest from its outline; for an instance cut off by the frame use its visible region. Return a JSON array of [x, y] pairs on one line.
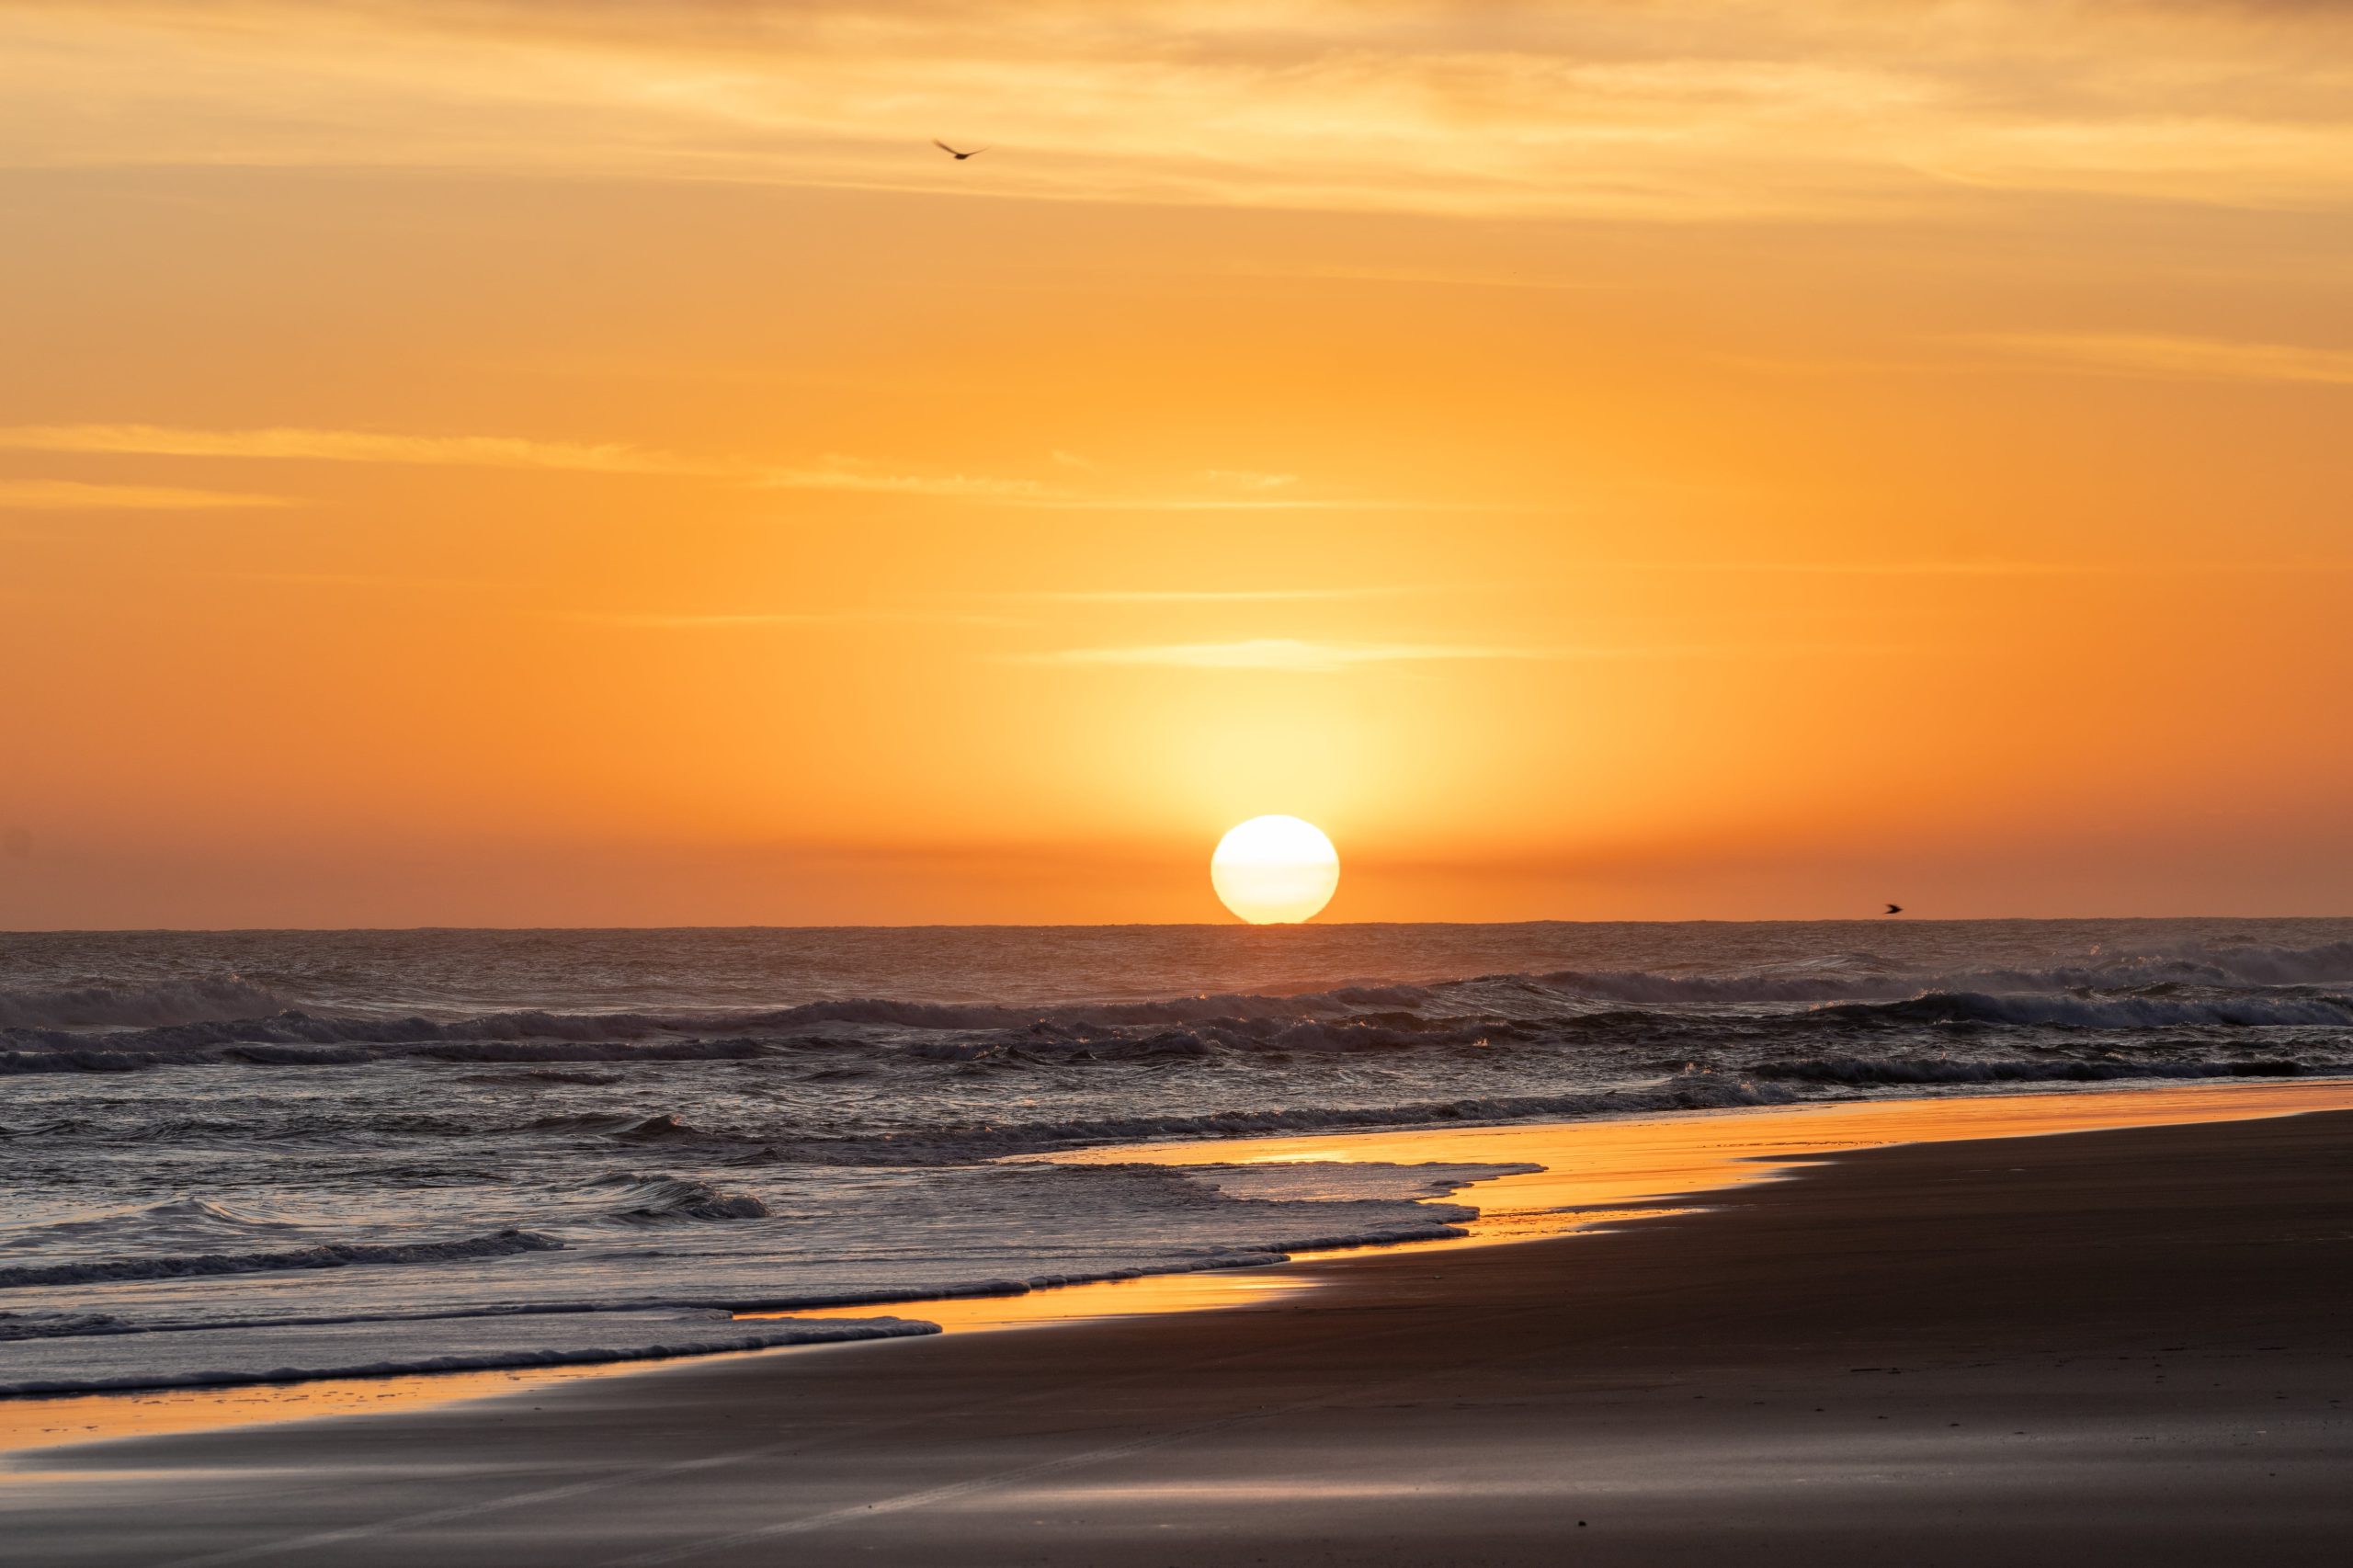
[[244, 1010]]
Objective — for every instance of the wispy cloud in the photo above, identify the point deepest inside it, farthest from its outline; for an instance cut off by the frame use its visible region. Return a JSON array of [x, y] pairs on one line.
[[753, 620], [2196, 358], [1424, 277], [1286, 654], [832, 473], [846, 474], [342, 445], [1304, 656], [1586, 107], [72, 496], [1196, 595], [1227, 489], [1865, 568], [1114, 502], [2113, 568]]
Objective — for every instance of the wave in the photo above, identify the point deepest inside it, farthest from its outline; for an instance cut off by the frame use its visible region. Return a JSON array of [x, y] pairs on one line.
[[325, 1254], [259, 1011], [1864, 977], [60, 1325], [1667, 1017], [162, 1003], [176, 1217], [1941, 1070], [137, 1053], [648, 1200], [2148, 1009], [952, 1143]]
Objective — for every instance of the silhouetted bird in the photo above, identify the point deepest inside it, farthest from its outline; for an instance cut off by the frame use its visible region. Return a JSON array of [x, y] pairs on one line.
[[951, 152], [1895, 909]]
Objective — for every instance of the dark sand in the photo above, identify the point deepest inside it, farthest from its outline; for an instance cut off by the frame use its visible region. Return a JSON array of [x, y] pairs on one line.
[[2115, 1346]]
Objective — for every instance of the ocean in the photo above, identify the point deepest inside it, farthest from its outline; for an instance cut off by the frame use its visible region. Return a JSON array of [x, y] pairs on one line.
[[242, 1157]]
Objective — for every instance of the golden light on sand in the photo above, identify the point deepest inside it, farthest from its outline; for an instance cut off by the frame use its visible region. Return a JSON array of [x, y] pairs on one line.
[[1275, 871]]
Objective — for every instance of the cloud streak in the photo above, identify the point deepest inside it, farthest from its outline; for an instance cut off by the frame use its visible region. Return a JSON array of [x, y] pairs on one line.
[[831, 472], [1284, 653], [2190, 359], [1198, 596], [342, 445], [73, 495], [1307, 656], [1599, 108], [758, 621]]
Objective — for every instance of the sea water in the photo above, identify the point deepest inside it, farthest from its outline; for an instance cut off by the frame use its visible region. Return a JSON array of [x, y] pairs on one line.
[[236, 1157]]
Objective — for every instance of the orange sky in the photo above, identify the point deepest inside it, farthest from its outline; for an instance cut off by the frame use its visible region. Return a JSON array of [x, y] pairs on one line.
[[479, 464]]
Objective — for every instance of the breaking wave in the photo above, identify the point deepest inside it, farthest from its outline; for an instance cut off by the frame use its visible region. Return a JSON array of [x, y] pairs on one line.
[[2149, 1009], [649, 1199], [1927, 1070], [137, 1006], [327, 1255], [951, 1143]]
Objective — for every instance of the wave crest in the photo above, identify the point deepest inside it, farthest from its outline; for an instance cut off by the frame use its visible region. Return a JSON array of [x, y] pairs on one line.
[[327, 1255], [164, 1003], [648, 1201]]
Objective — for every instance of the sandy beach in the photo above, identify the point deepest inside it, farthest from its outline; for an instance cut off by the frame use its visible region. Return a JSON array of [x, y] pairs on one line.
[[2127, 1344]]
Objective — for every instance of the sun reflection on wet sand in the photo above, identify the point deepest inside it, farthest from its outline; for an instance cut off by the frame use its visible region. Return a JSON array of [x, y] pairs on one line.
[[55, 1420], [1596, 1173], [1602, 1170], [1109, 1298]]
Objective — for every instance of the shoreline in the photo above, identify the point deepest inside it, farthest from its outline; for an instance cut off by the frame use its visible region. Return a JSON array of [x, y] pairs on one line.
[[2125, 1345], [1578, 1177]]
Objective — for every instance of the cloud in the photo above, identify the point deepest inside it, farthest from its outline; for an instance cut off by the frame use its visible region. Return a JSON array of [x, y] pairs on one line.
[[1592, 107], [1283, 653], [72, 496], [1126, 502], [1196, 595], [726, 620], [2196, 358], [1866, 568], [1966, 568], [846, 474], [831, 472], [1302, 657], [343, 445], [498, 451]]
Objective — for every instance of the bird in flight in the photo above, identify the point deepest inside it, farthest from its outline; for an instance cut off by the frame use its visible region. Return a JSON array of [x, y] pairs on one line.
[[1895, 909], [951, 152]]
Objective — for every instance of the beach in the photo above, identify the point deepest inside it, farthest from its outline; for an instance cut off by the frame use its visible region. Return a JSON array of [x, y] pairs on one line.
[[2120, 1345], [1374, 782]]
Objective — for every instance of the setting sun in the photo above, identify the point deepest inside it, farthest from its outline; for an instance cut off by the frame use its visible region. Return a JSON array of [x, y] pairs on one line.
[[1275, 871]]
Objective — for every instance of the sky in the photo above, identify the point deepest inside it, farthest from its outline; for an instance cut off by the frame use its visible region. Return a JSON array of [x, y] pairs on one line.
[[540, 463]]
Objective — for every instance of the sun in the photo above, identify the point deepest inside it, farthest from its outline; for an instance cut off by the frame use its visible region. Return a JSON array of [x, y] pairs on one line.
[[1275, 871]]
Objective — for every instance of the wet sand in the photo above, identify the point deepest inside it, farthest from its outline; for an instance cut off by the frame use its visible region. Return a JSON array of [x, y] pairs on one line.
[[2116, 1346]]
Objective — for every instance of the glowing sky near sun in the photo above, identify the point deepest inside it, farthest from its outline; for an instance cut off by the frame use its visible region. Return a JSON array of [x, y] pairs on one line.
[[511, 463]]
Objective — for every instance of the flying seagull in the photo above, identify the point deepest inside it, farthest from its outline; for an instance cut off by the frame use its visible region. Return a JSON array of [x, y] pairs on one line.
[[951, 152], [1895, 909]]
